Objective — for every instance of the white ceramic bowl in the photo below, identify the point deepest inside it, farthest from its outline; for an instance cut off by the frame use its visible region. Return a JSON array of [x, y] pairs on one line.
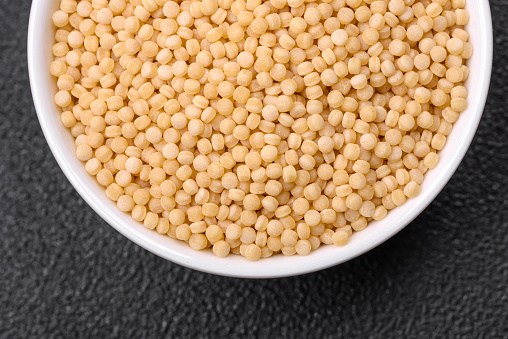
[[40, 41]]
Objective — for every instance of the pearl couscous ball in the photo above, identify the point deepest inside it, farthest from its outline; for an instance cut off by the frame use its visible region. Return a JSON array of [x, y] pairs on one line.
[[260, 127]]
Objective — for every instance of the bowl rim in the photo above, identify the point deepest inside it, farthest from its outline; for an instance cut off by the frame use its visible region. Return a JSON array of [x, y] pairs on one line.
[[37, 82]]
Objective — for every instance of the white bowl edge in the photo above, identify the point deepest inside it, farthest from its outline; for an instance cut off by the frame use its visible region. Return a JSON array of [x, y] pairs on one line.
[[40, 40]]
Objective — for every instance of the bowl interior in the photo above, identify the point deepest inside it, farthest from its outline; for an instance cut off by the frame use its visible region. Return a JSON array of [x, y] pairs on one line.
[[40, 40]]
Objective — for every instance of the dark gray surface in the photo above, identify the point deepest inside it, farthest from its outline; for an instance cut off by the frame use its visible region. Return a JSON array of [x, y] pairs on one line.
[[66, 274]]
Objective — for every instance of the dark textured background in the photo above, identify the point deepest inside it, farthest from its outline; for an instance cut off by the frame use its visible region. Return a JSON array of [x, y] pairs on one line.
[[64, 273]]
